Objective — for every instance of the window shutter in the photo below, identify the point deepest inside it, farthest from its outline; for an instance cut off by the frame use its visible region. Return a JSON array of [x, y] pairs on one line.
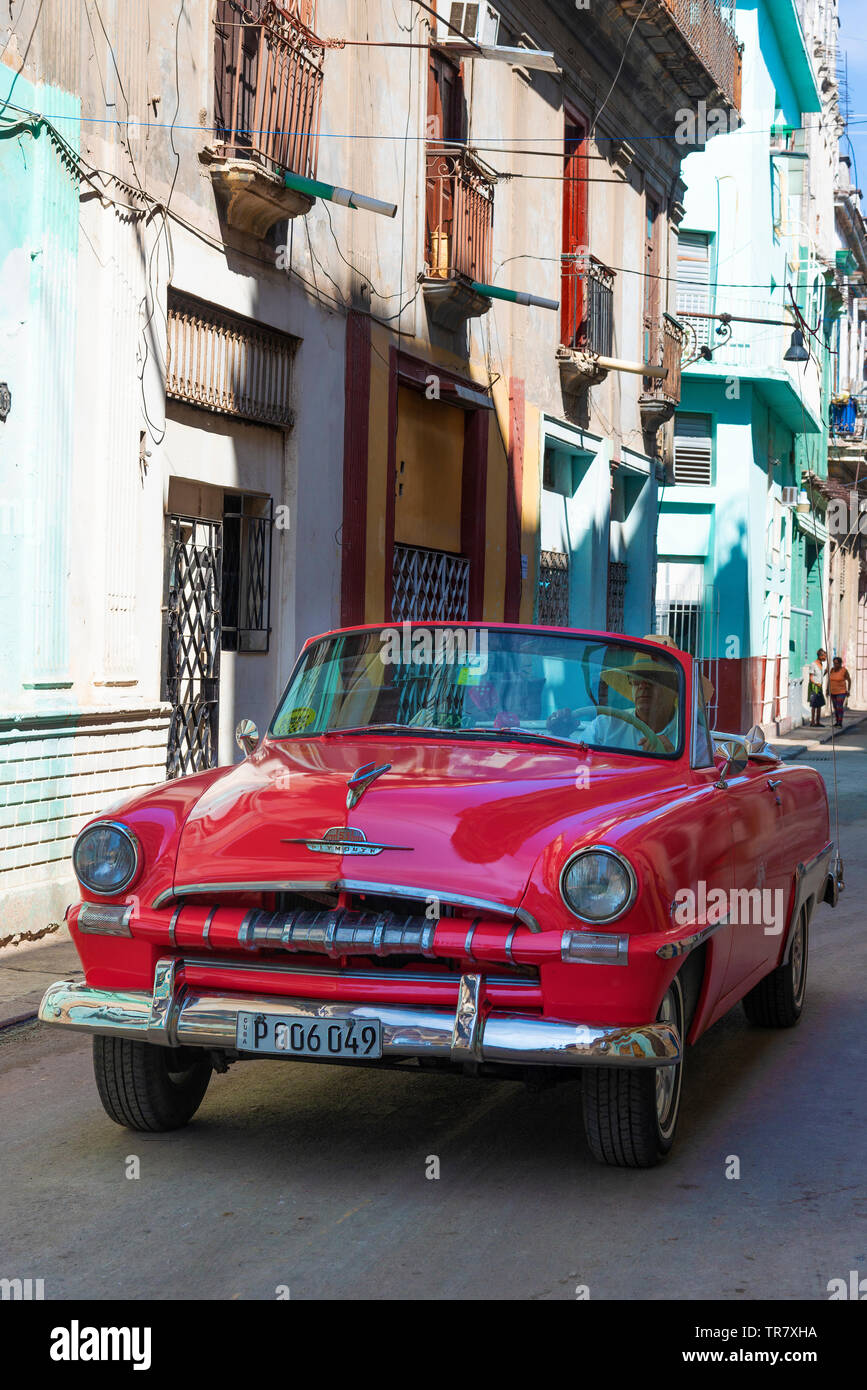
[[693, 448], [693, 281]]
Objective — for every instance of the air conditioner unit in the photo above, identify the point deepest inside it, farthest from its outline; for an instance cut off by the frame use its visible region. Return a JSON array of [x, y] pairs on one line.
[[478, 24], [790, 497]]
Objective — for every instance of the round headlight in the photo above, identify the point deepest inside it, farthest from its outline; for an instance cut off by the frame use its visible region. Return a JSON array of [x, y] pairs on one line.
[[106, 858], [597, 885]]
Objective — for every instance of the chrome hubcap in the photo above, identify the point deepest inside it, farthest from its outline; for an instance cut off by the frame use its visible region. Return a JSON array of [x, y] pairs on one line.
[[798, 959], [667, 1078]]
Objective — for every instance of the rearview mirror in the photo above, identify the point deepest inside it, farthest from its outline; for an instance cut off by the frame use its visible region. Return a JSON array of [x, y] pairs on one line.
[[247, 736]]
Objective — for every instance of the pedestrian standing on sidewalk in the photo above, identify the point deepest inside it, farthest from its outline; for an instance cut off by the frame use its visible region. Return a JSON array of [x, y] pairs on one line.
[[816, 681], [839, 687]]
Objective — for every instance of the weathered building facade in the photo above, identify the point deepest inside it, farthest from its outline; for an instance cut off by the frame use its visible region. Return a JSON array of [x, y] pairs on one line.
[[246, 407], [173, 516], [742, 540], [845, 488]]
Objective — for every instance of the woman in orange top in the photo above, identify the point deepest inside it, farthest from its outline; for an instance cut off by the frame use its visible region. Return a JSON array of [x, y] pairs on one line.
[[839, 684]]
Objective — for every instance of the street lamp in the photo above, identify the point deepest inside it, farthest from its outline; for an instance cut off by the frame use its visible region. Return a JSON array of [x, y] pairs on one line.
[[797, 352]]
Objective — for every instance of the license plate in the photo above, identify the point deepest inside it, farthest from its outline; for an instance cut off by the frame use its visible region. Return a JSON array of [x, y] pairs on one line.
[[282, 1035]]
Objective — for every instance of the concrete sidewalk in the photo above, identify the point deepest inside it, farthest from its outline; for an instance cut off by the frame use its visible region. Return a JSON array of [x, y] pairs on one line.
[[27, 970], [804, 739]]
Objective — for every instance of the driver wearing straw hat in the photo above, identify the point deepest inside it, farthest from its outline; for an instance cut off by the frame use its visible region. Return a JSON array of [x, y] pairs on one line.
[[651, 683]]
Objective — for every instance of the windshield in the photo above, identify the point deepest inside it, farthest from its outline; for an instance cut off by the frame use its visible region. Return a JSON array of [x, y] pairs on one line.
[[471, 682]]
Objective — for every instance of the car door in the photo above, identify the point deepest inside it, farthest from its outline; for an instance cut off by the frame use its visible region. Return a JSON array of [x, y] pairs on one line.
[[760, 894]]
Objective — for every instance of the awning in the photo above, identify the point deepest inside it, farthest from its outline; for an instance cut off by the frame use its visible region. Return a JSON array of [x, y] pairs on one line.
[[816, 530]]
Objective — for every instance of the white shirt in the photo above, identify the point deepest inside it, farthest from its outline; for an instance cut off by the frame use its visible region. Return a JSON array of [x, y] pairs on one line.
[[616, 733]]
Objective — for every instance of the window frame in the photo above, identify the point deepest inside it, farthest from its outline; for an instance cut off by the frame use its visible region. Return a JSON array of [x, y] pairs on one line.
[[239, 602], [699, 725]]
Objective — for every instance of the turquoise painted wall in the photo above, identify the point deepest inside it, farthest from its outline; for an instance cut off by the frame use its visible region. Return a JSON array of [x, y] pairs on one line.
[[38, 293], [752, 396]]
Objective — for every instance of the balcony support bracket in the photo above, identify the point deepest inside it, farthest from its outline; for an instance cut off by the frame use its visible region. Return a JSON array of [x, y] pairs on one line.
[[451, 301], [251, 198], [579, 369]]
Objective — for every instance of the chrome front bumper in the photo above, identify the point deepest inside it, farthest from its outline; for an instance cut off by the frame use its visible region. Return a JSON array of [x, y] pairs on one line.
[[177, 1016]]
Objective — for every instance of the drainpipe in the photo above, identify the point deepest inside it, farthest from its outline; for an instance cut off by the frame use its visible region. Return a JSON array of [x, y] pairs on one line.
[[616, 364], [344, 196], [514, 296]]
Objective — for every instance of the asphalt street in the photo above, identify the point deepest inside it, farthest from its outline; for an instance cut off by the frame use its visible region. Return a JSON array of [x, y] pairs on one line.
[[314, 1180]]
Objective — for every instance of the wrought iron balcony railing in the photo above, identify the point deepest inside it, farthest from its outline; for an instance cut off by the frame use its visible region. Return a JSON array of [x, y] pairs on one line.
[[670, 340], [708, 27], [268, 76], [459, 233], [588, 305]]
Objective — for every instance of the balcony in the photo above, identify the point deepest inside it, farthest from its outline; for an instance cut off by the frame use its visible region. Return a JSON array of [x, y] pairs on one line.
[[754, 352], [268, 94], [846, 420], [588, 321], [660, 397], [848, 437], [695, 42], [710, 34], [459, 234]]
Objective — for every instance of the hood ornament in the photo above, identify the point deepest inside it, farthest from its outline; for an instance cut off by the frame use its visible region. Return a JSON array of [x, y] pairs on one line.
[[361, 780]]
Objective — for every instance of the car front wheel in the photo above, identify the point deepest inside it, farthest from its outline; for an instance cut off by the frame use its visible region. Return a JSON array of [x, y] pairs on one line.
[[630, 1113], [146, 1087]]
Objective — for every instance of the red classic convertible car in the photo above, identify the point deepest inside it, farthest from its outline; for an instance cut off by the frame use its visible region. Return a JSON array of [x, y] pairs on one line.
[[488, 851]]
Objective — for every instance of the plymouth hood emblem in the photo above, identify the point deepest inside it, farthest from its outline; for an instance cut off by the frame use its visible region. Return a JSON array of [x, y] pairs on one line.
[[343, 840], [361, 780]]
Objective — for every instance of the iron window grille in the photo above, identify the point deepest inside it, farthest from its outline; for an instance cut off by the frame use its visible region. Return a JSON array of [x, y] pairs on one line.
[[247, 531], [617, 571], [553, 589], [191, 651], [681, 620], [429, 585]]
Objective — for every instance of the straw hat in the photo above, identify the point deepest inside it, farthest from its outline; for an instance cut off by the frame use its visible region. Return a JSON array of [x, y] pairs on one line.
[[644, 665]]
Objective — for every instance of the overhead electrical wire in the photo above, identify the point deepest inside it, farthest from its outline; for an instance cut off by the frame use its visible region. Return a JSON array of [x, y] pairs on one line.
[[494, 142], [620, 270], [620, 68]]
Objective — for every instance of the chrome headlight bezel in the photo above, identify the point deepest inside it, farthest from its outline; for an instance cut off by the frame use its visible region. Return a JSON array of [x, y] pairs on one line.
[[128, 835], [624, 864]]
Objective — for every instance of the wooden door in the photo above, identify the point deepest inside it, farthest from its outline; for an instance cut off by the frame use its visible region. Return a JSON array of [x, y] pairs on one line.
[[575, 232]]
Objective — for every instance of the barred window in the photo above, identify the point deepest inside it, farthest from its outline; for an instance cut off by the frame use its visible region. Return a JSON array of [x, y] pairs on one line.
[[246, 598]]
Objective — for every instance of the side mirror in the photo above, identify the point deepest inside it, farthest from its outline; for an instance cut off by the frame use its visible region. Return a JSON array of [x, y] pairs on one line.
[[247, 737], [736, 758]]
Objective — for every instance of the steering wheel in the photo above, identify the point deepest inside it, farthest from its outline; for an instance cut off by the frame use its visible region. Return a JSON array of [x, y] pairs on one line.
[[657, 745]]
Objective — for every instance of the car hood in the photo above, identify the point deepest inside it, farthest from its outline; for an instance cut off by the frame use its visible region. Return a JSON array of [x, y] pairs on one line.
[[460, 817]]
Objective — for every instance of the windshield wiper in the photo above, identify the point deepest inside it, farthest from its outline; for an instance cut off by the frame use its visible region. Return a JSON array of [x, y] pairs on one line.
[[440, 730], [530, 734], [391, 728]]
